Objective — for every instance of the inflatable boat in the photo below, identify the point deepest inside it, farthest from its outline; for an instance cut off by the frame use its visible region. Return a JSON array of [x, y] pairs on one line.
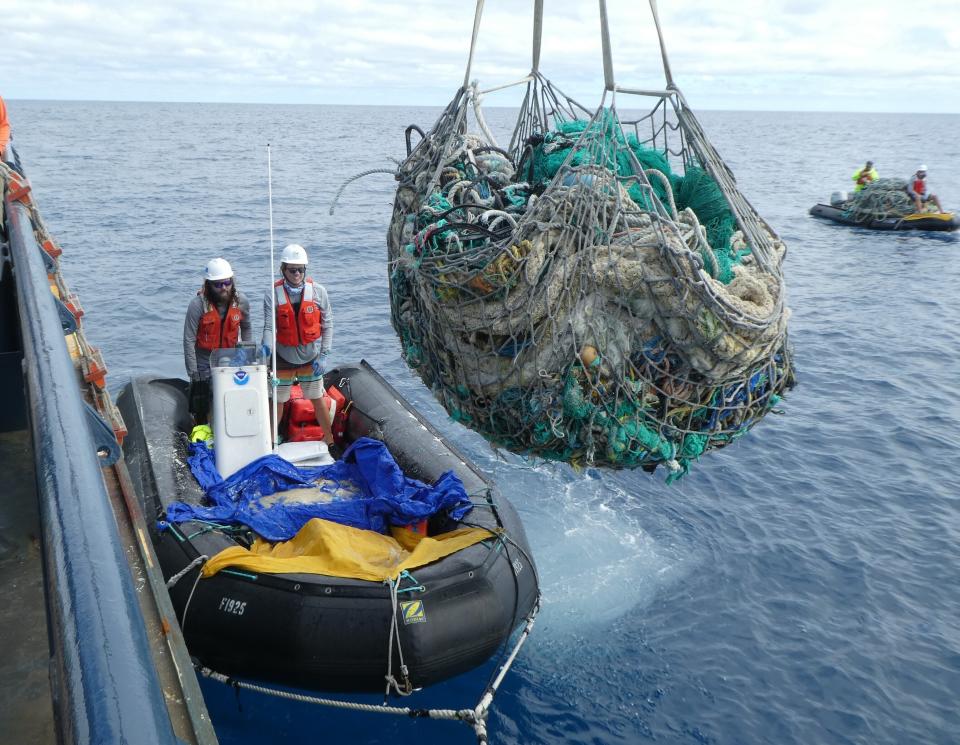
[[919, 221], [326, 632]]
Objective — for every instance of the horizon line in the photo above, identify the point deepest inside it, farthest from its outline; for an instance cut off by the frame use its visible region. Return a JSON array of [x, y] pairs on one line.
[[442, 105]]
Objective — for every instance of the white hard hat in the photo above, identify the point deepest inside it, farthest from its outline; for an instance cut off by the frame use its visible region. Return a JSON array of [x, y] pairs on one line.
[[922, 168], [294, 254], [218, 269]]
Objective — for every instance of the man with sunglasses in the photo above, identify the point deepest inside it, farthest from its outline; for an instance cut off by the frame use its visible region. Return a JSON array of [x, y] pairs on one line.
[[304, 337], [218, 317]]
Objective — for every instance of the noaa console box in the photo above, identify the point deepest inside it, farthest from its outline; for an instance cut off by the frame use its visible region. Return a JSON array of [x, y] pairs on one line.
[[240, 408]]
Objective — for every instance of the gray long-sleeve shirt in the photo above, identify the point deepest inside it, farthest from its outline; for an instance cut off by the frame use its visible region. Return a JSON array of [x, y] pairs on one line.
[[197, 361], [302, 354]]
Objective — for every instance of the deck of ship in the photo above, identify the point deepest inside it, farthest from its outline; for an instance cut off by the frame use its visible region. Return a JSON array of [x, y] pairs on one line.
[[26, 709]]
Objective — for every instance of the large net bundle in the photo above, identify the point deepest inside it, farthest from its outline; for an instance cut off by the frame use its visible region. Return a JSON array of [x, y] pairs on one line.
[[597, 292], [882, 199]]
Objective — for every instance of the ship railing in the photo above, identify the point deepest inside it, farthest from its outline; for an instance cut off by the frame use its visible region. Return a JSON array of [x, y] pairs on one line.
[[104, 682]]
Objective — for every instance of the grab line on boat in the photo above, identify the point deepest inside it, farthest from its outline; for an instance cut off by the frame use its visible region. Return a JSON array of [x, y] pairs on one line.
[[475, 717], [407, 688], [179, 575], [199, 561]]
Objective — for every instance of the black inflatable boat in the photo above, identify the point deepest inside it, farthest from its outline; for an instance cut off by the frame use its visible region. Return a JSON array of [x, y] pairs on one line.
[[921, 221], [323, 632]]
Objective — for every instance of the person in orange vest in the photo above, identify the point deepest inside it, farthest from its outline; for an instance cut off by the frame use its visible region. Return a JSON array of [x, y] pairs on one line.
[[304, 321], [218, 317], [4, 128], [917, 190]]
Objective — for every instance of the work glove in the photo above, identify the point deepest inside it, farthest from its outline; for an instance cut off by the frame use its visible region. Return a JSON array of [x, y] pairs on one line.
[[319, 365], [265, 351]]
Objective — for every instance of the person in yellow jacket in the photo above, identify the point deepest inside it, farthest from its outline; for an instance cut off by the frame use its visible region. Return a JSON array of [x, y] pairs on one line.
[[866, 175]]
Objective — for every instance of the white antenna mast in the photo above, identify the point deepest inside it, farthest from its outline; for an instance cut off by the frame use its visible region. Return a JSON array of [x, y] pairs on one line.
[[273, 310]]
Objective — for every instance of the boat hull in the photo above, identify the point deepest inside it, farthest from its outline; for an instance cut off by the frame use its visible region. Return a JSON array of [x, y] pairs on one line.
[[929, 221], [323, 632]]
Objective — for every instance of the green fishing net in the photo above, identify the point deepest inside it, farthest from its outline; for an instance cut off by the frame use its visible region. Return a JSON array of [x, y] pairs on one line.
[[597, 292]]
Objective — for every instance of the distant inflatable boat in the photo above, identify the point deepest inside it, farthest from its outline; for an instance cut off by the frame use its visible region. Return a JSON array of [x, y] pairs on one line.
[[329, 632], [922, 221]]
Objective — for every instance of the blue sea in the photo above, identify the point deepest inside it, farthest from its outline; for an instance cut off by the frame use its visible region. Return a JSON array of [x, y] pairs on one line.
[[801, 586]]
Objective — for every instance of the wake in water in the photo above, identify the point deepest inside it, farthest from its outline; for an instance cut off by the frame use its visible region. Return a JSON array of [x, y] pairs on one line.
[[597, 562]]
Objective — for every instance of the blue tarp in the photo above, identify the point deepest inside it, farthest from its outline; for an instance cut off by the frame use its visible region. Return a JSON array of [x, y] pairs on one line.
[[379, 495]]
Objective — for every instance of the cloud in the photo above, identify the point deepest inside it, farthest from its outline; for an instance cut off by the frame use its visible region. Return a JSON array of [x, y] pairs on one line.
[[752, 54]]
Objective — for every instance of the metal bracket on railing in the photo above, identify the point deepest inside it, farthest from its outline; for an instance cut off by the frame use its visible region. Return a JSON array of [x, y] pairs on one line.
[[67, 320], [108, 449], [49, 263]]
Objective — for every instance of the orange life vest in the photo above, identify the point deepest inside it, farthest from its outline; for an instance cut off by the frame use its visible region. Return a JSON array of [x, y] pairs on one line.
[[301, 418], [919, 186], [216, 333], [303, 327]]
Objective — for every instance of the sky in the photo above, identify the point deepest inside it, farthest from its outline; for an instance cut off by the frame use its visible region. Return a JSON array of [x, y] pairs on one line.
[[779, 55]]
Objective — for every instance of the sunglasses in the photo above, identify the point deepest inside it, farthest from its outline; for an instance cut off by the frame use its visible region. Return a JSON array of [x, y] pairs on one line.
[[295, 269], [222, 284]]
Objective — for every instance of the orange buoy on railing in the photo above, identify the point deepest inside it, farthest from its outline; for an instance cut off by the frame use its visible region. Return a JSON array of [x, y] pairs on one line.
[[50, 246], [108, 410], [94, 369], [73, 305], [18, 188]]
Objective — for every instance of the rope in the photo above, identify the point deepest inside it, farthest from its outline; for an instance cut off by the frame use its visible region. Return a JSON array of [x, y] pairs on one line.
[[407, 688], [475, 717], [537, 33], [463, 715], [882, 199], [477, 15], [605, 44], [336, 197], [199, 561], [478, 113], [663, 47]]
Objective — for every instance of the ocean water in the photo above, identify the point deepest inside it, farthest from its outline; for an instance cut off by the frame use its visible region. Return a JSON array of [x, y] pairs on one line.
[[801, 586]]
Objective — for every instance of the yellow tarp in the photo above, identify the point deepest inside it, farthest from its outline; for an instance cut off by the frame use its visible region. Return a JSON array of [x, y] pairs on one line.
[[324, 547], [944, 216]]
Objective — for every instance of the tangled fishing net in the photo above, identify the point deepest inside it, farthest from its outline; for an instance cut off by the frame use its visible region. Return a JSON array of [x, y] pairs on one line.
[[597, 292], [879, 200]]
